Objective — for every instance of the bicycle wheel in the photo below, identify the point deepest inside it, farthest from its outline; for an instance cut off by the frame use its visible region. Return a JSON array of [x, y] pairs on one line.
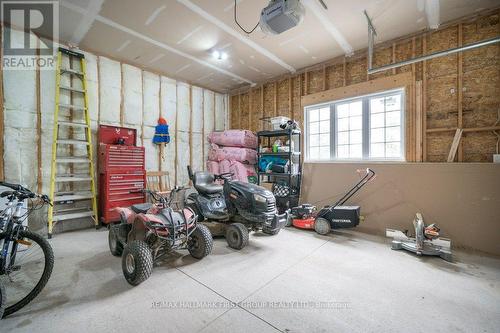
[[32, 268], [2, 299]]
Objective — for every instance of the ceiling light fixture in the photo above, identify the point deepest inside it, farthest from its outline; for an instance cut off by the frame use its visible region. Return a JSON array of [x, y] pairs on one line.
[[219, 55]]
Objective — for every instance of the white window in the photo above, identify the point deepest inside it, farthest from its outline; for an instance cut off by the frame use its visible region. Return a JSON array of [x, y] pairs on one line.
[[363, 128]]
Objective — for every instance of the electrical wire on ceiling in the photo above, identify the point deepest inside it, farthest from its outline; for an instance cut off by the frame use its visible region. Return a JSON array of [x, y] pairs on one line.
[[236, 20]]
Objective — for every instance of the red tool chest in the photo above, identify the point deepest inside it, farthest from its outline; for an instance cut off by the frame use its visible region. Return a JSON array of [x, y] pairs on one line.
[[122, 173], [113, 157]]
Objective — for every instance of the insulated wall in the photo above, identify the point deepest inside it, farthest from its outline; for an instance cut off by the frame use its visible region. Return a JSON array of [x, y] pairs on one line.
[[119, 94]]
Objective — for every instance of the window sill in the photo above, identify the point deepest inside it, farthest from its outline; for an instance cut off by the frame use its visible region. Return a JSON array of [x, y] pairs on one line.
[[395, 161]]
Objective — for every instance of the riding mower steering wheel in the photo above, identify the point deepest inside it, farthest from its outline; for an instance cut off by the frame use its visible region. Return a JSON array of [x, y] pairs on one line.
[[224, 176]]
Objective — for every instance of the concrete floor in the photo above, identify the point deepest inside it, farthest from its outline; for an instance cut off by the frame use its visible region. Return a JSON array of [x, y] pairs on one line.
[[344, 282]]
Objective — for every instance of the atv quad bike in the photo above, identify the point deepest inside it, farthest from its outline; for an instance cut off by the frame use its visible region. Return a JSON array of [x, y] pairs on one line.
[[147, 232], [234, 208]]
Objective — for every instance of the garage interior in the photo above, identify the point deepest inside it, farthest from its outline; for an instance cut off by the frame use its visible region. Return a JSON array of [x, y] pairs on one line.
[[355, 147]]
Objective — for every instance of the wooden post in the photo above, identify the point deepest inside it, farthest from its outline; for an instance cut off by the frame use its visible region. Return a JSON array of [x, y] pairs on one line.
[[290, 97], [2, 124], [301, 88], [416, 157], [162, 145], [275, 98], [306, 83], [39, 124], [344, 72], [203, 128], [393, 57], [99, 96], [176, 131], [215, 113], [424, 100], [418, 120], [122, 115], [324, 77], [142, 104], [239, 110], [262, 106], [190, 125], [460, 91], [250, 127]]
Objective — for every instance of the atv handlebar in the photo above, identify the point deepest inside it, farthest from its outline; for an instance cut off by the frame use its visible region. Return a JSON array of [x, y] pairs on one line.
[[158, 197]]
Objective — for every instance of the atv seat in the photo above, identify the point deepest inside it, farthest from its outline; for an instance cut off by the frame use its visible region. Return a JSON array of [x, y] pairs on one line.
[[141, 208], [204, 183]]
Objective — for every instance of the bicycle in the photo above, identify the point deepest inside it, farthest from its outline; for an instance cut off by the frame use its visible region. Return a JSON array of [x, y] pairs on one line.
[[26, 257]]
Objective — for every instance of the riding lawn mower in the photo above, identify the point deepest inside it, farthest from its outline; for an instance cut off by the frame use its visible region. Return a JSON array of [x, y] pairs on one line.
[[234, 208]]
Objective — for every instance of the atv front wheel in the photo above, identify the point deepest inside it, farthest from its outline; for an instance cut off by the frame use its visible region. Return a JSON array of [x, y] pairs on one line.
[[200, 242], [322, 226], [237, 236], [137, 262], [115, 246]]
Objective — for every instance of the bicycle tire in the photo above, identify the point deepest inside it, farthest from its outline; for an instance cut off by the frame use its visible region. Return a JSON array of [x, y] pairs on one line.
[[2, 299], [47, 271]]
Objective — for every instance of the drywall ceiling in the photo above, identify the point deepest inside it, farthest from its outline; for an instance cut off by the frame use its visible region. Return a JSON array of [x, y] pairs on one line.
[[176, 37]]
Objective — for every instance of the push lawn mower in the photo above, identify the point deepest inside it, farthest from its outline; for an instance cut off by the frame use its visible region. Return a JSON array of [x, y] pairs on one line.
[[234, 208], [147, 232], [331, 217]]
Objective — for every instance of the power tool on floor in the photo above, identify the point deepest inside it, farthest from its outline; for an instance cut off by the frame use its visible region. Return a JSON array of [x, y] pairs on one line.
[[425, 242]]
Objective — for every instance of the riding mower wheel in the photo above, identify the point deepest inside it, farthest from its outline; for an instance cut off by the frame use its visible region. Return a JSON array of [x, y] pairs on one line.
[[200, 243], [322, 226], [115, 246], [137, 262], [237, 236]]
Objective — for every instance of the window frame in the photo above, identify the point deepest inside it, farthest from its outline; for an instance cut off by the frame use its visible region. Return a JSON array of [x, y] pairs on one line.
[[366, 130]]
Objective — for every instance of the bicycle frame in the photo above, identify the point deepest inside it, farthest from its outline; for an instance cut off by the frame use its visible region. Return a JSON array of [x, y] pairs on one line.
[[11, 226]]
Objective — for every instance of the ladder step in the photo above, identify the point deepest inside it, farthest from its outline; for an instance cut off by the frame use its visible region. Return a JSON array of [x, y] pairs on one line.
[[74, 107], [72, 124], [73, 142], [72, 89], [76, 159], [67, 210], [72, 178], [72, 196], [71, 71], [72, 216]]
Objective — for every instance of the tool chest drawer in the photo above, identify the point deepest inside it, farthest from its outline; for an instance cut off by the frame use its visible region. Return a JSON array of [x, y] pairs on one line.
[[120, 157], [120, 188]]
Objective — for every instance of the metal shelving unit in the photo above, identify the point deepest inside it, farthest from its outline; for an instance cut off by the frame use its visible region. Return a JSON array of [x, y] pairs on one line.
[[290, 179]]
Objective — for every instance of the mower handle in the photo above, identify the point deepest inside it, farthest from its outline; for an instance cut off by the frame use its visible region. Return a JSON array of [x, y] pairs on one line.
[[370, 174]]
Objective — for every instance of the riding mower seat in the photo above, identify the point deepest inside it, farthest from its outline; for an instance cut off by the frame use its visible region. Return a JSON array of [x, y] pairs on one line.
[[204, 183], [141, 208]]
